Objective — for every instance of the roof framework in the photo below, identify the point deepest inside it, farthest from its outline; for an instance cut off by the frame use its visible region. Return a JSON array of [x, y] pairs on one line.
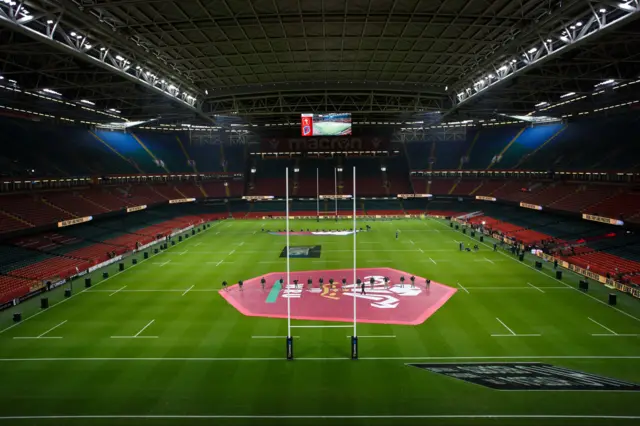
[[269, 60]]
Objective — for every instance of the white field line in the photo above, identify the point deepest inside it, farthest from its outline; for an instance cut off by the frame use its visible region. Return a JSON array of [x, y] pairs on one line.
[[379, 336], [197, 244], [282, 359], [505, 326], [120, 289], [489, 260], [555, 279], [606, 328], [515, 335], [51, 329], [232, 251], [241, 243], [466, 291], [433, 261], [42, 336], [163, 264], [134, 337], [218, 264], [273, 337], [183, 253], [411, 241], [537, 288], [616, 335], [187, 290], [421, 251], [85, 290], [144, 328], [322, 326]]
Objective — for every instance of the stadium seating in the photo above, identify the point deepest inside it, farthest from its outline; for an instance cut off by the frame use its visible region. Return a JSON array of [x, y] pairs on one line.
[[441, 186], [489, 144], [165, 147], [32, 209], [619, 206], [584, 197]]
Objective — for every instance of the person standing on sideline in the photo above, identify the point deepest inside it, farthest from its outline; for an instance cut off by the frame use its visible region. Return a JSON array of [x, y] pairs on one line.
[[428, 282], [397, 234], [362, 291], [262, 283]]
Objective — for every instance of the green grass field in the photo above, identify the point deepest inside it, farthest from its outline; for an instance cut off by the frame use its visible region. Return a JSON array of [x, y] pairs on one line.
[[205, 368]]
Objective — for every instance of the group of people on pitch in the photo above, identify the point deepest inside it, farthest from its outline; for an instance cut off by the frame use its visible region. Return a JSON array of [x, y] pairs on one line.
[[333, 283]]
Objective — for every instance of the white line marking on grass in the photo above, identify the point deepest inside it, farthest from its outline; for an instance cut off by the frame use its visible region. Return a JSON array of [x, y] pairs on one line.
[[189, 289], [218, 264], [138, 336], [460, 285], [273, 337], [606, 328], [241, 244], [281, 359], [120, 289], [232, 251], [197, 244], [164, 263], [322, 326], [505, 326], [51, 329], [616, 335], [183, 253], [561, 282], [489, 260], [515, 335], [320, 416], [144, 328], [433, 261], [380, 336], [254, 232], [86, 289], [500, 288], [43, 335], [421, 251], [411, 241], [217, 232], [540, 290], [134, 337]]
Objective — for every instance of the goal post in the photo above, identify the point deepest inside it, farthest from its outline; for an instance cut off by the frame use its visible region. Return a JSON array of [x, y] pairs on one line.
[[354, 337]]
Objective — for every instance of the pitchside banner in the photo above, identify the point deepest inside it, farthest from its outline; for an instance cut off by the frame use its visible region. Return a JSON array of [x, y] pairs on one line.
[[601, 219], [324, 144]]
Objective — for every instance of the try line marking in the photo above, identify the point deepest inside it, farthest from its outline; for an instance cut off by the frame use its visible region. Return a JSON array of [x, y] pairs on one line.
[[391, 358]]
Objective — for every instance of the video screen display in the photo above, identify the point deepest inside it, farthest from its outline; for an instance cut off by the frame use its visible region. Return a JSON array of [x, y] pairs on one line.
[[326, 124]]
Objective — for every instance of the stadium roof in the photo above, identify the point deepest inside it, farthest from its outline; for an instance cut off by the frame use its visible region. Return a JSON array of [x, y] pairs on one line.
[[269, 60]]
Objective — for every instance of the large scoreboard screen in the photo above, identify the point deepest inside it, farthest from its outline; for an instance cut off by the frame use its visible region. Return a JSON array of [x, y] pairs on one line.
[[325, 124]]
